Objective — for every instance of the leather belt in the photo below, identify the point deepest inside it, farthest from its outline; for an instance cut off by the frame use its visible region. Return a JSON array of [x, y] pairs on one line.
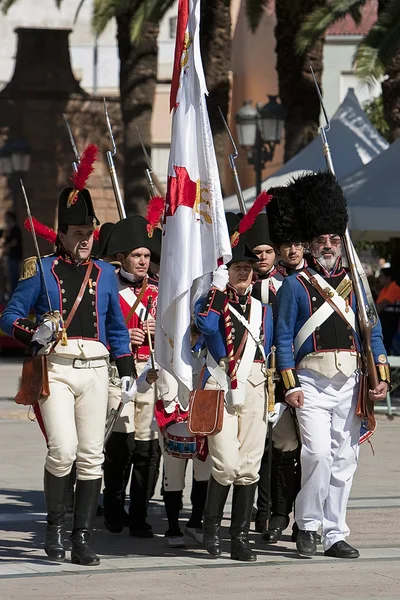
[[78, 363]]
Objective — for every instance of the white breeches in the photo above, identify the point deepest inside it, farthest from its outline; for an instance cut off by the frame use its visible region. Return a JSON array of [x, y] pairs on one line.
[[284, 435], [175, 469], [237, 450], [144, 410], [329, 430], [74, 417], [126, 422]]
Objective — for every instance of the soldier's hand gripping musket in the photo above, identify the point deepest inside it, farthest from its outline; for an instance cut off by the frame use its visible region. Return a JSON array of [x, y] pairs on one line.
[[111, 166]]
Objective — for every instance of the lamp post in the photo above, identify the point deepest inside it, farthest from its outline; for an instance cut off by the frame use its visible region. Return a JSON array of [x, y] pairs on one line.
[[15, 160], [259, 131]]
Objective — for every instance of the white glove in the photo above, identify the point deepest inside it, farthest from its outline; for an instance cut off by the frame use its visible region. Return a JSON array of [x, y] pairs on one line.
[[220, 278], [275, 415], [45, 333], [128, 389]]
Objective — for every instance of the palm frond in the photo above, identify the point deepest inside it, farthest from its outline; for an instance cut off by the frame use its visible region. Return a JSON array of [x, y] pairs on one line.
[[254, 12], [379, 46], [148, 11], [319, 20], [103, 12], [6, 5]]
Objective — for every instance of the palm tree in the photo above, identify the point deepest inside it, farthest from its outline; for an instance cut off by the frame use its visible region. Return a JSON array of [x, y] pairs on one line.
[[137, 31], [377, 54], [296, 87]]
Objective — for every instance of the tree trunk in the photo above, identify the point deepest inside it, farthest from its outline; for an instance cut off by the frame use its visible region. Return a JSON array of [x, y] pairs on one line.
[[138, 80], [215, 40], [296, 86], [391, 89]]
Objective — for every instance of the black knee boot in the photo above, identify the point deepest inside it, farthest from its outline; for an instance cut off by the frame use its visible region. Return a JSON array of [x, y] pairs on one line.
[[55, 492], [86, 498], [242, 506], [117, 466], [198, 499], [172, 502], [283, 493], [69, 500], [213, 513]]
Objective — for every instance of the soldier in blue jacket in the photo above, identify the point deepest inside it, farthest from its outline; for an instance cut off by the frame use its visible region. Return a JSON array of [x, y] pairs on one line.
[[230, 312], [318, 354], [74, 414]]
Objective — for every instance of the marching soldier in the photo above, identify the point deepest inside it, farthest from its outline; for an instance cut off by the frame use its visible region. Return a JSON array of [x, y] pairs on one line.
[[229, 316], [319, 352], [73, 416], [133, 441], [275, 231]]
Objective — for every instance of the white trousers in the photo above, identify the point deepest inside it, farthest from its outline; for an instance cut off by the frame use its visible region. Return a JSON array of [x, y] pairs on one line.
[[175, 469], [74, 417], [237, 450], [329, 430], [144, 410]]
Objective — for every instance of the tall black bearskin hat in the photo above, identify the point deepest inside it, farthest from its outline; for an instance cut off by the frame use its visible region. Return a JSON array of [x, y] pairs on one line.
[[131, 233], [240, 251], [75, 206], [320, 205], [282, 218], [258, 234]]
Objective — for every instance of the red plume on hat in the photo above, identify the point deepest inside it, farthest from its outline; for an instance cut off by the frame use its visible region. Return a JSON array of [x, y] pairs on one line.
[[249, 218], [84, 170], [155, 211], [41, 230]]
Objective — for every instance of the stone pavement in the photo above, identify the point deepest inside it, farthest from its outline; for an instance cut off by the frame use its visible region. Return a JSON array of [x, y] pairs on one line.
[[144, 569]]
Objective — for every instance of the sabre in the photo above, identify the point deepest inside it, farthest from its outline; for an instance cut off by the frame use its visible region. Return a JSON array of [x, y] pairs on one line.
[[367, 315], [152, 180], [113, 174], [73, 144], [28, 210], [232, 158]]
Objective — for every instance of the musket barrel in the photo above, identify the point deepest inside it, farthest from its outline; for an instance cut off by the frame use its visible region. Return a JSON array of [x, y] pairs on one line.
[[115, 184]]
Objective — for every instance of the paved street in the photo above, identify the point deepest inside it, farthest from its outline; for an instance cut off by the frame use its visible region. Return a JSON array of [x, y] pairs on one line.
[[144, 569]]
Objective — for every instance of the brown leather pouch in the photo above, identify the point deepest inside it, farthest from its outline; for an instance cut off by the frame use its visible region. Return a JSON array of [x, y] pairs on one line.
[[34, 381], [365, 406], [206, 412]]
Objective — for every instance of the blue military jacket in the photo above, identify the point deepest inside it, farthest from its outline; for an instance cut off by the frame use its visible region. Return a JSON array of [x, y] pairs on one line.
[[98, 317], [210, 322], [297, 300]]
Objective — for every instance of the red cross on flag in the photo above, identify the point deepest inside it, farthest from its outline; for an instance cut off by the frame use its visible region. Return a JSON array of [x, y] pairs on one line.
[[195, 236]]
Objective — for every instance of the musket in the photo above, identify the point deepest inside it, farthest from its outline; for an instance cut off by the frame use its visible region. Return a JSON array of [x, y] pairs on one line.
[[232, 163], [111, 167], [152, 180], [271, 380], [367, 316], [73, 144], [150, 342], [39, 259]]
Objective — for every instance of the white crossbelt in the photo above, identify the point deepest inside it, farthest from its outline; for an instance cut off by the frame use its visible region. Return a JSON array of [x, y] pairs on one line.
[[324, 312], [78, 363], [247, 357], [130, 298]]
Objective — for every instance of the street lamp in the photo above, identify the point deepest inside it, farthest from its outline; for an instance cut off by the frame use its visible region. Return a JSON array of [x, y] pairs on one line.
[[15, 160], [259, 131]]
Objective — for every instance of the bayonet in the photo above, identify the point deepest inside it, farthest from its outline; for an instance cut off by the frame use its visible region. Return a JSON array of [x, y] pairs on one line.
[[39, 259], [111, 167], [232, 158], [152, 179], [73, 144]]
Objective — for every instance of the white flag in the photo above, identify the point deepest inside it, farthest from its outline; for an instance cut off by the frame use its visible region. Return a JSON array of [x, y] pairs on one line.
[[195, 235]]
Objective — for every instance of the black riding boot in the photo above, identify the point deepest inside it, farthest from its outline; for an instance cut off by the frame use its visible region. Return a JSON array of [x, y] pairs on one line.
[[86, 498], [262, 493], [55, 492], [117, 466], [213, 513], [69, 500], [242, 506], [198, 499], [284, 489], [172, 502], [145, 459]]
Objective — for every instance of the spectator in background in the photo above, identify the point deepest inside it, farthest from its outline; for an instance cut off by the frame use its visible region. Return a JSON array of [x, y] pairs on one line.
[[382, 264], [11, 250], [388, 306]]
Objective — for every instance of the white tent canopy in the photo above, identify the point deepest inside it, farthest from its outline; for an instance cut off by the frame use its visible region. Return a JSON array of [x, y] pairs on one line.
[[373, 197], [353, 140]]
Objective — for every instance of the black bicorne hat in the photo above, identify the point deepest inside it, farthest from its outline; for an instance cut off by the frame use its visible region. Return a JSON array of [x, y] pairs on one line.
[[240, 250], [282, 217], [131, 233], [320, 205], [76, 208], [104, 236], [258, 234]]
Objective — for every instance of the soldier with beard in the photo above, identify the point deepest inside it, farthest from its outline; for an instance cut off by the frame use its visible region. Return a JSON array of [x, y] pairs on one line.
[[318, 353]]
